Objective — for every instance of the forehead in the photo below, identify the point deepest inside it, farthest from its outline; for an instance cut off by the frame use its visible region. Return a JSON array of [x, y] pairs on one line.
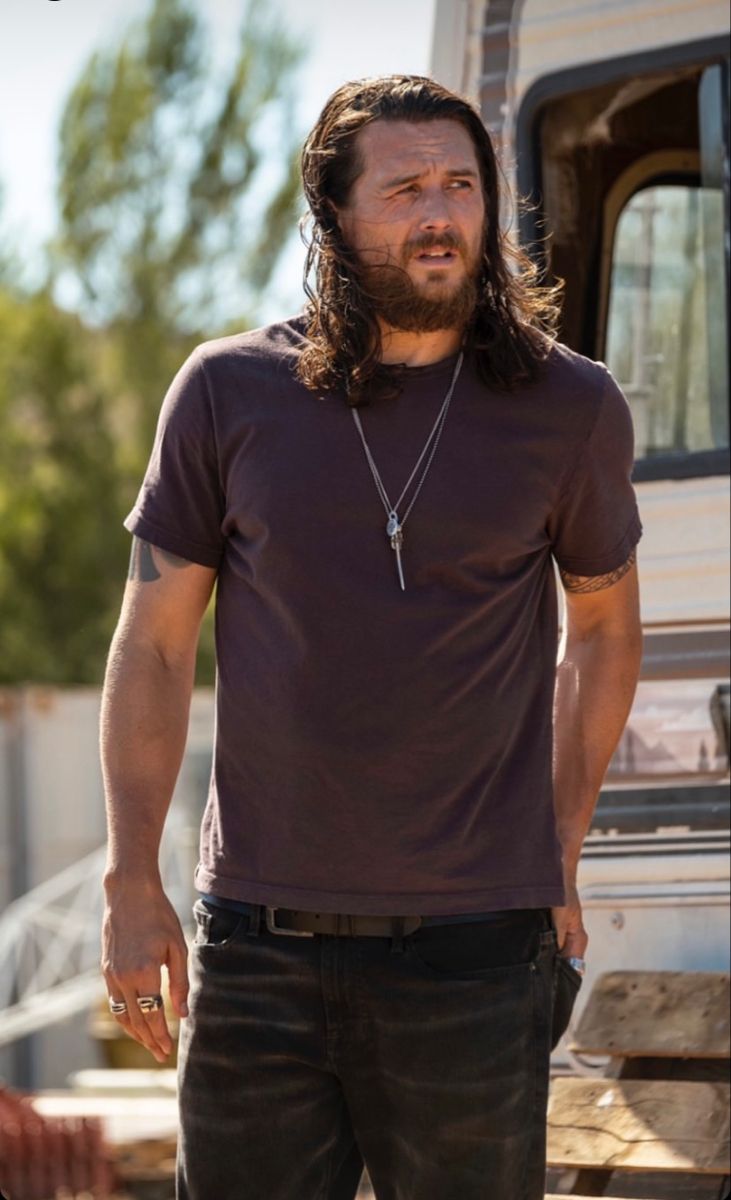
[[390, 148]]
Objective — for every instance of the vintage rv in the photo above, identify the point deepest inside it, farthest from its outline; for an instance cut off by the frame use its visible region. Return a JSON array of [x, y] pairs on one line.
[[612, 121]]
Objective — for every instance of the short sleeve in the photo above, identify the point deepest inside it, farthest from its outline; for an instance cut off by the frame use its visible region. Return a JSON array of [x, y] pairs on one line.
[[180, 505], [596, 523]]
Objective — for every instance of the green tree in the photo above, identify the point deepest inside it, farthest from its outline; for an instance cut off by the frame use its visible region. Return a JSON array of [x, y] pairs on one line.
[[174, 208], [170, 205], [176, 192], [11, 266], [65, 483], [60, 541]]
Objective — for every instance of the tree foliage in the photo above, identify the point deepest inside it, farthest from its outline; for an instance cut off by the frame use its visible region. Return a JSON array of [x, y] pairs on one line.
[[59, 500], [174, 199], [169, 205]]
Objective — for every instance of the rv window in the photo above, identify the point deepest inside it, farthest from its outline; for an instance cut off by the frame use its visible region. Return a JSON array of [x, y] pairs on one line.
[[666, 326], [667, 317]]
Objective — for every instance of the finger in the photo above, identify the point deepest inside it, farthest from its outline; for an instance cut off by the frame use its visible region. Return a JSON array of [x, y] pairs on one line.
[[144, 985], [114, 992], [575, 945], [177, 964], [117, 991], [560, 925], [158, 1029], [160, 1043], [136, 1027], [133, 1021]]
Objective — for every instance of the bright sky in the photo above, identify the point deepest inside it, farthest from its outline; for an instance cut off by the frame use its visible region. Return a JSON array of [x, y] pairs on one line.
[[45, 43]]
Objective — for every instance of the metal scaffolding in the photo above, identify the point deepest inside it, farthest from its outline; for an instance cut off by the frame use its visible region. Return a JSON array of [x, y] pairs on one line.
[[50, 938]]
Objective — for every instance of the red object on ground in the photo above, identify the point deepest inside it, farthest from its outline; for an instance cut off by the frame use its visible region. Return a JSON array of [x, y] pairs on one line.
[[42, 1157]]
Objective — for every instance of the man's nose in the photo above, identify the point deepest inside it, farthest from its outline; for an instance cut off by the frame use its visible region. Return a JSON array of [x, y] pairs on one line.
[[435, 215]]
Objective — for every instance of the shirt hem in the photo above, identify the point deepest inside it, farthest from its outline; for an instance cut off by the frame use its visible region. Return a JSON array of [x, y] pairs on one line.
[[394, 904], [605, 563]]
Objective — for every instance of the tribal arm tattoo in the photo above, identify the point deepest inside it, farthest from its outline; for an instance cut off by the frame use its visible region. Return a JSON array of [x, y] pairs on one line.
[[596, 583], [144, 558]]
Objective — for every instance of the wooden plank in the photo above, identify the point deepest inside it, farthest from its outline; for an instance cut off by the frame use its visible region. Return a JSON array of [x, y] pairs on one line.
[[149, 1161], [656, 1014], [639, 1125]]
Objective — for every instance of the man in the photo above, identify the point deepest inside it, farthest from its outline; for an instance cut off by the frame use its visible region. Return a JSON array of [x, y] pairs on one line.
[[396, 812]]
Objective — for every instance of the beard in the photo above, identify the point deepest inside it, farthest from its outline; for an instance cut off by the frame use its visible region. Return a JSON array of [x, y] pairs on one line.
[[405, 306]]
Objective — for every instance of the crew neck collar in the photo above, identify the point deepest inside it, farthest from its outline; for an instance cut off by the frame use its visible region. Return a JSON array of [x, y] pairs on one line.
[[442, 366]]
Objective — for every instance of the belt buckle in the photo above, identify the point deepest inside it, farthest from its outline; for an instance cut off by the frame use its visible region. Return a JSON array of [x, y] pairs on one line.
[[274, 928]]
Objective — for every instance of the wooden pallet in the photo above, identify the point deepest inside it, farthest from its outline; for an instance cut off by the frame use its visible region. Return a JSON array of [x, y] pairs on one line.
[[640, 1125], [662, 1105], [145, 1162], [657, 1014]]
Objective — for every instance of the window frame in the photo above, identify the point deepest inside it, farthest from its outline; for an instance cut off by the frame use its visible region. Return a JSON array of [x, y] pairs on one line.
[[532, 220]]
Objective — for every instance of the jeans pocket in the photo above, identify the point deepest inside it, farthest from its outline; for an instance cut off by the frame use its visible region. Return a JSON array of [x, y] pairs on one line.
[[216, 926], [566, 984], [476, 949]]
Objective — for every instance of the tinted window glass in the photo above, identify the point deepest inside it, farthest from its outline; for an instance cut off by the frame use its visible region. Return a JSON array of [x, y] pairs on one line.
[[668, 318], [666, 332]]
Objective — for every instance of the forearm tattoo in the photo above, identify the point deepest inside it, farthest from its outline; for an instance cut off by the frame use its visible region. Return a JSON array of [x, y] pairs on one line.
[[142, 561], [596, 583]]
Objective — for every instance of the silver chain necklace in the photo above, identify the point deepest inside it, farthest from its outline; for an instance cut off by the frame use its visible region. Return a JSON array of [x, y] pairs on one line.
[[394, 524]]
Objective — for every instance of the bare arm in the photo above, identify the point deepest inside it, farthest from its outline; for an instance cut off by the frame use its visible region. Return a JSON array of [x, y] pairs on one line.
[[596, 680], [144, 721]]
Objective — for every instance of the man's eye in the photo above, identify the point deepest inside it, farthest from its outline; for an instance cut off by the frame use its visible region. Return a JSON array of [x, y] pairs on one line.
[[461, 183]]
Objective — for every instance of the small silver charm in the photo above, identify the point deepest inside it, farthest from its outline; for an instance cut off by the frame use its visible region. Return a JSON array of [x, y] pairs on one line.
[[394, 527], [395, 533]]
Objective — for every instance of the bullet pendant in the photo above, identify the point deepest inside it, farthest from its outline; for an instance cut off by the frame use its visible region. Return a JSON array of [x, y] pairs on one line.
[[395, 534]]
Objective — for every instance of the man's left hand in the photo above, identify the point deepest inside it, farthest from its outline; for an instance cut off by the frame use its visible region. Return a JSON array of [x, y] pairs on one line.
[[572, 937]]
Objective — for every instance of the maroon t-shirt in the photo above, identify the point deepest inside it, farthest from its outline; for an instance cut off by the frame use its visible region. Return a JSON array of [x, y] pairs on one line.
[[377, 750]]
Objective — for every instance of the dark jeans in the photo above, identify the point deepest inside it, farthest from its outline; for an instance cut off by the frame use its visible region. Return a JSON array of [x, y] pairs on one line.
[[303, 1058]]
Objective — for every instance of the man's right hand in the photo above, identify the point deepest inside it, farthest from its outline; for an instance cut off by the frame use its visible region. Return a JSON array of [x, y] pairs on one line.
[[140, 933]]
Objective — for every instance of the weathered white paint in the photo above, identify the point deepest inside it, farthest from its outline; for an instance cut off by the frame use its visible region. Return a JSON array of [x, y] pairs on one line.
[[684, 552], [558, 34], [456, 56], [62, 785]]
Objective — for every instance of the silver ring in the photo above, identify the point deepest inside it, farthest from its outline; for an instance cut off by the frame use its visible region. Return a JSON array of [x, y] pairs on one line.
[[149, 1004], [579, 964], [117, 1007]]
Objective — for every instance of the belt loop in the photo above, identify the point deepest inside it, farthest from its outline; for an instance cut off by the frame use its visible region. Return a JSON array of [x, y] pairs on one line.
[[254, 920], [397, 936]]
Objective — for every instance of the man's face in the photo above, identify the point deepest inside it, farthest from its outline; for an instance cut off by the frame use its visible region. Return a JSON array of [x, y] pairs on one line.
[[415, 216]]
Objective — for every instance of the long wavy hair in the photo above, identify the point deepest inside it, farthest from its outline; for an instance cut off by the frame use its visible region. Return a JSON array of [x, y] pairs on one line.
[[514, 321]]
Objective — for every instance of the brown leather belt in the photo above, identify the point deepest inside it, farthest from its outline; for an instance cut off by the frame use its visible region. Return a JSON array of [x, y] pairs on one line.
[[298, 923], [306, 924]]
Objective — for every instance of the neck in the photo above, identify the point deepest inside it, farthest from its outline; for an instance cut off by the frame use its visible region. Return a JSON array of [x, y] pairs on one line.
[[417, 349]]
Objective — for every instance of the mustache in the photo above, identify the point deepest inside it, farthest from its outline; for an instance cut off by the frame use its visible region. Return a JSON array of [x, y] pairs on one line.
[[430, 241]]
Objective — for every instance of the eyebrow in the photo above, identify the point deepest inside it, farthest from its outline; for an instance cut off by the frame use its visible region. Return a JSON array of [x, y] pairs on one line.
[[454, 172]]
